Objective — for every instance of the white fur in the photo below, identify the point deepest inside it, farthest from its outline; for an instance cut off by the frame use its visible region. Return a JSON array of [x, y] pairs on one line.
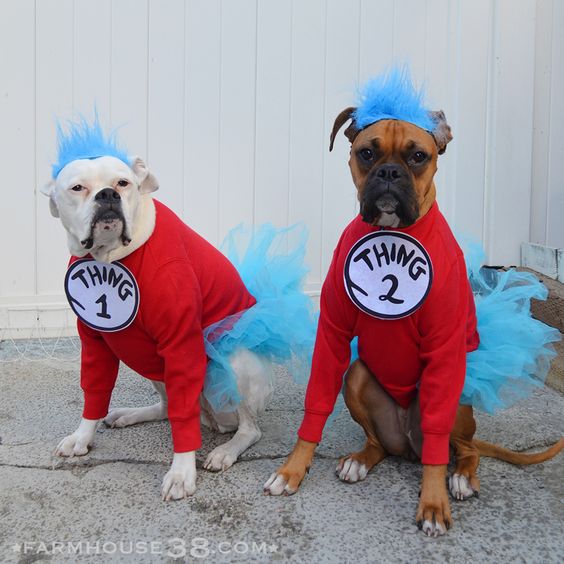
[[432, 529], [460, 487], [180, 481], [125, 416], [388, 220], [277, 485], [255, 389], [77, 444], [351, 471], [76, 210]]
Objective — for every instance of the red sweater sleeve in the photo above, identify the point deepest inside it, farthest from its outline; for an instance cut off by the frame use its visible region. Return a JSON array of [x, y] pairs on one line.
[[331, 355], [175, 322], [443, 353], [98, 372]]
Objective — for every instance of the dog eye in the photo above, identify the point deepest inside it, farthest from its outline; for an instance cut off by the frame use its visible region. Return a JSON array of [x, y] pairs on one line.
[[366, 154], [418, 157], [123, 183], [77, 188]]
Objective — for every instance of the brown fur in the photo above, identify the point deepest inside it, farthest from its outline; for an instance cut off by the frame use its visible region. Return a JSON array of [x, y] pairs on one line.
[[298, 464], [364, 401], [341, 119], [393, 137], [495, 451], [392, 141]]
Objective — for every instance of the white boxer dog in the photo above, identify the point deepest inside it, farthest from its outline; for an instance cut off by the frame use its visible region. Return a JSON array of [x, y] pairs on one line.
[[108, 212]]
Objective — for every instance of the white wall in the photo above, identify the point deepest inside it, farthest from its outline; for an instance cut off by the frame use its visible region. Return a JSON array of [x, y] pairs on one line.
[[231, 103]]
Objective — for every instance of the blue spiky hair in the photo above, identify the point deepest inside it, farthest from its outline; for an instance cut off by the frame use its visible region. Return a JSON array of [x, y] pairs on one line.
[[84, 140], [392, 95]]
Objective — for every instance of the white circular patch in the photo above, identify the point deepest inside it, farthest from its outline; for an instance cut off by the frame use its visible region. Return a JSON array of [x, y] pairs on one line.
[[104, 296], [388, 274]]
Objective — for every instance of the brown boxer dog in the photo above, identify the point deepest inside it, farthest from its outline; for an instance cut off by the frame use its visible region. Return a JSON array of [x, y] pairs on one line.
[[389, 428]]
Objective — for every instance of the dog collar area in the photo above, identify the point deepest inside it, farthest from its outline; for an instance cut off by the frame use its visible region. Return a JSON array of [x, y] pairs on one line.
[[388, 274], [103, 296]]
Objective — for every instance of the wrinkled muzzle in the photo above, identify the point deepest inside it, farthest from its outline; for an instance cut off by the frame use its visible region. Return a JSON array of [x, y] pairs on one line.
[[108, 222], [389, 190]]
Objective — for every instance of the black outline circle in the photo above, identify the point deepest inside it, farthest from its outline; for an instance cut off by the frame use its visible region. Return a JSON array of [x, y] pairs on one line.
[[103, 329], [375, 235]]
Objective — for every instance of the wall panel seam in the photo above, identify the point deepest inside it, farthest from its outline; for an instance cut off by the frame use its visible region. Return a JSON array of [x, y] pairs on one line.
[[550, 131], [290, 109], [254, 163], [490, 130], [219, 104], [323, 175], [35, 210]]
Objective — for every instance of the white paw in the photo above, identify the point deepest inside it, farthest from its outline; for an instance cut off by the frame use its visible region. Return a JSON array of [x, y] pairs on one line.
[[277, 485], [433, 529], [220, 458], [72, 445], [460, 487], [178, 485], [125, 416], [351, 471], [120, 417], [180, 481]]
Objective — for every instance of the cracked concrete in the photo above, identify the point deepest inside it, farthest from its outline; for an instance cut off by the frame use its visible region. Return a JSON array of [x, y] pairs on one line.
[[107, 504]]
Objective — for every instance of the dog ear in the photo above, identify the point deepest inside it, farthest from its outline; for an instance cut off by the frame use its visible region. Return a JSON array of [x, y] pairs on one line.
[[147, 180], [49, 190], [351, 131], [442, 132]]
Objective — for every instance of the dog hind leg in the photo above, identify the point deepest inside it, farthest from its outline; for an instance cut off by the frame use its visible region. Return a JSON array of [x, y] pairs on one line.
[[255, 388], [224, 422], [464, 482], [125, 416], [355, 466]]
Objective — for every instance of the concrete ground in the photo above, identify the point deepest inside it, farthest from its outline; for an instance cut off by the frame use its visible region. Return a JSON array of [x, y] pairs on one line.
[[107, 504]]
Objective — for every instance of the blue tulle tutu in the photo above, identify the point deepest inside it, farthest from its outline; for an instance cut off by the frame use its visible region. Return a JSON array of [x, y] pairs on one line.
[[515, 350], [513, 357], [279, 327]]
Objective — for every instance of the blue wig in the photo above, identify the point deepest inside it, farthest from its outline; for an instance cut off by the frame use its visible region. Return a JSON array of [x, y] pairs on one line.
[[85, 140], [391, 95]]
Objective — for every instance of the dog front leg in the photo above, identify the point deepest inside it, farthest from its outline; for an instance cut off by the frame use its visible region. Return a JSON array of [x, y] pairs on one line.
[[433, 514], [77, 444], [180, 481], [287, 479]]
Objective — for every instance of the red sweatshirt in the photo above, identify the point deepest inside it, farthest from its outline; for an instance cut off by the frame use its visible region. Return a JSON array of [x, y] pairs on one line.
[[185, 284], [424, 349]]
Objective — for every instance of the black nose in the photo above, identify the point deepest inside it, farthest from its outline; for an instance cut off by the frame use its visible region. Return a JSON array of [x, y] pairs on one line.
[[389, 172], [107, 196]]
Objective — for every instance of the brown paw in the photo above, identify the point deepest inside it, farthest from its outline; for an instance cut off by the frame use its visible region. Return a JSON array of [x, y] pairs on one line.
[[287, 479], [434, 517], [355, 467], [351, 469], [433, 514], [284, 481], [463, 487]]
